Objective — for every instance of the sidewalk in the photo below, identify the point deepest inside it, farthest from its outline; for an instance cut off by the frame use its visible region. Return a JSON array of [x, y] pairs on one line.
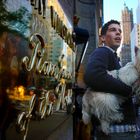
[[58, 126]]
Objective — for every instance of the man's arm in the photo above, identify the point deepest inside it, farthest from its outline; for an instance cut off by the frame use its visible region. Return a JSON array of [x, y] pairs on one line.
[[98, 79]]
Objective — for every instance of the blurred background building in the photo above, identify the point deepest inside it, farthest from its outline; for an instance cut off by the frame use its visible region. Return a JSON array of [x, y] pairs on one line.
[[127, 25], [135, 34]]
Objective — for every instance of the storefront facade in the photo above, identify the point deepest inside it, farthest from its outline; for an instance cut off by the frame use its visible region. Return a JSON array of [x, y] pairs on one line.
[[37, 56]]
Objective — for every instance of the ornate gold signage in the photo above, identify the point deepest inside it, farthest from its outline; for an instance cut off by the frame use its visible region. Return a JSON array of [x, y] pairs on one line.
[[61, 29], [37, 46]]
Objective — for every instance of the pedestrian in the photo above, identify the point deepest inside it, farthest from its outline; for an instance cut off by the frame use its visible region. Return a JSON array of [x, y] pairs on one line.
[[104, 59]]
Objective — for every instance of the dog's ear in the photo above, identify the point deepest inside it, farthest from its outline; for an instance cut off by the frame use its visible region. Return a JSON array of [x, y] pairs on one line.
[[136, 50], [137, 59]]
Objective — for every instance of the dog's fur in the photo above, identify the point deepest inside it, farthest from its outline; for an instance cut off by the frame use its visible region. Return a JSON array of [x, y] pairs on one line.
[[106, 106]]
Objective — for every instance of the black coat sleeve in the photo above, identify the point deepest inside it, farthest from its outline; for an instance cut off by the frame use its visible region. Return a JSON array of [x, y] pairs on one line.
[[97, 78]]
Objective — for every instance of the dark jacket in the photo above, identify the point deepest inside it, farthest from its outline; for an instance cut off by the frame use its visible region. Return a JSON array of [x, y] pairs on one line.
[[97, 78]]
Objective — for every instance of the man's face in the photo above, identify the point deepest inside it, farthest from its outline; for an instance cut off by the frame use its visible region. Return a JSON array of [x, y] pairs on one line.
[[113, 36]]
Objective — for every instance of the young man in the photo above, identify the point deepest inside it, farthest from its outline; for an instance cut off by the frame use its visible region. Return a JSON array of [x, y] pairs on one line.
[[104, 59]]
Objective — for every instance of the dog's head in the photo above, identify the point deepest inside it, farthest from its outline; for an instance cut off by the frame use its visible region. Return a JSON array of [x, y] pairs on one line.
[[137, 58]]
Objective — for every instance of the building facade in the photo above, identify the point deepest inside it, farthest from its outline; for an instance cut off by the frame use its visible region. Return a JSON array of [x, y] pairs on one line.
[[137, 12], [91, 18], [133, 42], [127, 25], [135, 34]]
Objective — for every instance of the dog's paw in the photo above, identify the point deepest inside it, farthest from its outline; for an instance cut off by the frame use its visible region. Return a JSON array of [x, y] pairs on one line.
[[86, 118], [105, 127]]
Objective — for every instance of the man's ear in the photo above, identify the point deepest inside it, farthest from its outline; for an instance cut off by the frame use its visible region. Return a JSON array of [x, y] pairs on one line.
[[102, 38]]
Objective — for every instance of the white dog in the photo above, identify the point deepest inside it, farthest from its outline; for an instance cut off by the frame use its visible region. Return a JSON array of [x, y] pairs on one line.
[[105, 106]]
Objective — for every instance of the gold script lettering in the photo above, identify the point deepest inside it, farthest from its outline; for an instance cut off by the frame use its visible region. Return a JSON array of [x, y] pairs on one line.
[[36, 42], [37, 46]]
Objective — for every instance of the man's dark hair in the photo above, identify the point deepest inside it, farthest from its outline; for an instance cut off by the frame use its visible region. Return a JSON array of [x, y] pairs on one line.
[[105, 27]]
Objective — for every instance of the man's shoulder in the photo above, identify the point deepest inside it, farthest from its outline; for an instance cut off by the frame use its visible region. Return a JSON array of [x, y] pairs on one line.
[[102, 51], [103, 48]]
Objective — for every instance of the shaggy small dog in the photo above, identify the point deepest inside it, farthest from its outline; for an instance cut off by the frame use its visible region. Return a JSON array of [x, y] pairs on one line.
[[106, 106]]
